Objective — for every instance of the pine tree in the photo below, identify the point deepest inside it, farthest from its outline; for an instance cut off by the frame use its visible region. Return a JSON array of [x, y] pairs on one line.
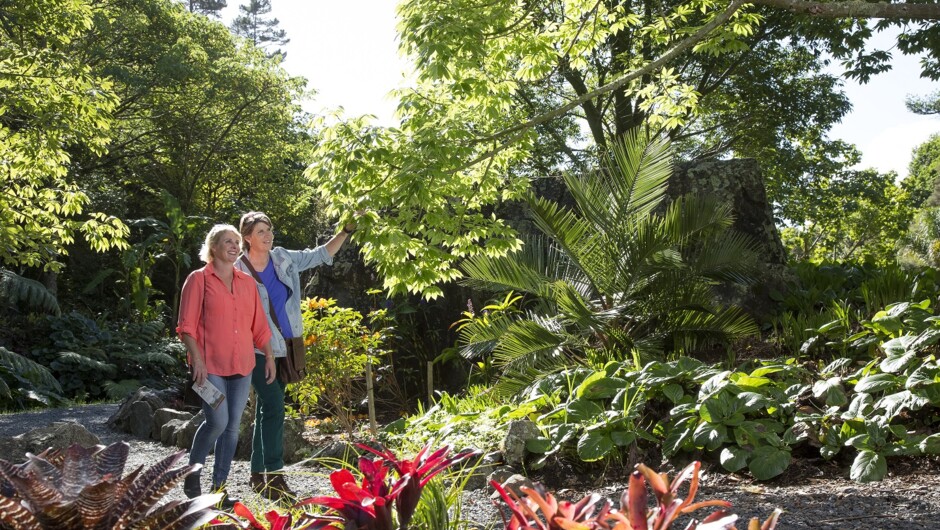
[[264, 32], [210, 8]]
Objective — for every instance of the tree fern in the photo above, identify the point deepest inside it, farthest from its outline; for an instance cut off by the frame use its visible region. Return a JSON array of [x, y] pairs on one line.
[[16, 290]]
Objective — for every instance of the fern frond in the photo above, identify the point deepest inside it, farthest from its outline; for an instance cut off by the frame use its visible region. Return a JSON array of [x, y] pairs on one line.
[[34, 372], [16, 290]]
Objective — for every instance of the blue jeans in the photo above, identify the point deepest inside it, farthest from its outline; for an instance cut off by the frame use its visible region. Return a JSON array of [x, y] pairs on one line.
[[267, 443], [221, 426]]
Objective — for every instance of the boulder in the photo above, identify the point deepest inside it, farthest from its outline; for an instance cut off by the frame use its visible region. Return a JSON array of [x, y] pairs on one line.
[[185, 435], [481, 470], [169, 431], [140, 419], [162, 416], [512, 483], [513, 445], [58, 435], [122, 419]]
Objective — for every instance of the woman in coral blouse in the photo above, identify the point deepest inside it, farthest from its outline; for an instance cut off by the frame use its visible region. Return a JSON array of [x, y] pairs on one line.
[[221, 322]]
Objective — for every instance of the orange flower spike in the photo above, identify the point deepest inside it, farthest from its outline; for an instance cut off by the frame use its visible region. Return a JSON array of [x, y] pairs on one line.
[[547, 505], [656, 481]]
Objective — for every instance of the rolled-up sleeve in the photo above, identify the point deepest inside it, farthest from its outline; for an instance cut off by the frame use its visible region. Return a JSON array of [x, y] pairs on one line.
[[310, 258], [191, 304]]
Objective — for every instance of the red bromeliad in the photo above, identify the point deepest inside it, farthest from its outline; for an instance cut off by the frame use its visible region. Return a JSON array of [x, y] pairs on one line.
[[421, 469], [275, 520], [634, 512], [368, 506]]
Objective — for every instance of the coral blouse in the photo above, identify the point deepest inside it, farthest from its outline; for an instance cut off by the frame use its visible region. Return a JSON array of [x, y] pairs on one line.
[[227, 325]]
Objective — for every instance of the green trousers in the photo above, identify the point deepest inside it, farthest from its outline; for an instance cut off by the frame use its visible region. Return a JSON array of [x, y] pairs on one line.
[[267, 441]]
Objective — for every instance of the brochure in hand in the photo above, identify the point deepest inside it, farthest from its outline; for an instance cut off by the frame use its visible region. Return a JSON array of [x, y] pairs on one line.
[[210, 393]]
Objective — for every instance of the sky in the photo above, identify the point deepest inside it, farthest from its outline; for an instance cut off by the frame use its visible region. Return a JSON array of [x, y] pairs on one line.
[[348, 51]]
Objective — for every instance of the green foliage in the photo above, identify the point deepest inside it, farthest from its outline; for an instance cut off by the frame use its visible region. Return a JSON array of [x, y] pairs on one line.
[[473, 420], [94, 359], [79, 488], [205, 116], [339, 345], [624, 273], [922, 172], [849, 216], [51, 102], [25, 383]]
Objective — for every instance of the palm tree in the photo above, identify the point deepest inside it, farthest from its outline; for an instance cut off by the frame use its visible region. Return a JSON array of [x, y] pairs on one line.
[[623, 275]]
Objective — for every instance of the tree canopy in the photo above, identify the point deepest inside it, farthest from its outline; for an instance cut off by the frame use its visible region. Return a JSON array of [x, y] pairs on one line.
[[499, 81]]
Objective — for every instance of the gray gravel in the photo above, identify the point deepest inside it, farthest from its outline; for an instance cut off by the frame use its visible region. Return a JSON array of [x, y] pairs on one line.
[[811, 497]]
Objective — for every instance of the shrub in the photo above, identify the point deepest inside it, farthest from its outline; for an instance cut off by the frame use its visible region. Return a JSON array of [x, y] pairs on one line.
[[339, 345]]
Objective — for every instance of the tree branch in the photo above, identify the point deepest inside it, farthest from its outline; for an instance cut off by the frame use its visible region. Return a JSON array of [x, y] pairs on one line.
[[854, 9]]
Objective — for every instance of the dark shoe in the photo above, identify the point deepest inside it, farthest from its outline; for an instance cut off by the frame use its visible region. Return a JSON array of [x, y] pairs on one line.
[[277, 488], [191, 485], [227, 502], [258, 483]]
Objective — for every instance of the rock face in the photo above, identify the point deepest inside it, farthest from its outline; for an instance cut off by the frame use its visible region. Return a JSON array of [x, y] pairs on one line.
[[740, 182]]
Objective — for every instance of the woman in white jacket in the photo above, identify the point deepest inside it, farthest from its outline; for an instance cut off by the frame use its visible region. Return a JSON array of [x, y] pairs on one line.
[[279, 271]]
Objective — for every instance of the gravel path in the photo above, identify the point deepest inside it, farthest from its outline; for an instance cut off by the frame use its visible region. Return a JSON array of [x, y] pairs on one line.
[[816, 498]]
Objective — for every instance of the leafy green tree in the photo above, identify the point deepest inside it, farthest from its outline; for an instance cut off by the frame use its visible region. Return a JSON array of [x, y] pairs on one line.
[[855, 215], [262, 32], [208, 119], [50, 102], [921, 182], [622, 275]]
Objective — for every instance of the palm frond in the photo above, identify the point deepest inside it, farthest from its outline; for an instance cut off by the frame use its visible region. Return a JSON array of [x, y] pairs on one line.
[[576, 238], [730, 257], [479, 338], [16, 290], [694, 217], [696, 328], [528, 343], [70, 357], [529, 270], [644, 171]]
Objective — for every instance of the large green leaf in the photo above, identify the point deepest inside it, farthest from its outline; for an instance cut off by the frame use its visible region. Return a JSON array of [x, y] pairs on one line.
[[598, 386], [877, 383], [734, 458], [767, 462], [710, 436], [868, 466], [594, 445]]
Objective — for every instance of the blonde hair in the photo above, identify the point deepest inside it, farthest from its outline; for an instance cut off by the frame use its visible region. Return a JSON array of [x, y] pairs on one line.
[[247, 224], [212, 239]]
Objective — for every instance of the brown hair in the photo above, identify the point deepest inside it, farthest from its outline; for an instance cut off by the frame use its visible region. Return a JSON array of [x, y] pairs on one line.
[[247, 224]]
